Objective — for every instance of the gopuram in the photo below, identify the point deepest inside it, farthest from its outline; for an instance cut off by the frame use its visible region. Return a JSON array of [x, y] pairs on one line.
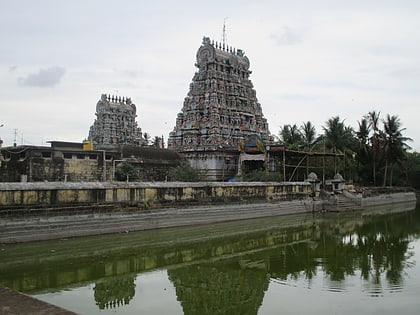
[[221, 112], [115, 122]]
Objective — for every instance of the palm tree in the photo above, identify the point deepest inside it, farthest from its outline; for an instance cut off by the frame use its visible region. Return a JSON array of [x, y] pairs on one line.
[[309, 138], [290, 136], [146, 139], [308, 134], [338, 137], [373, 118], [394, 144], [363, 149], [157, 142]]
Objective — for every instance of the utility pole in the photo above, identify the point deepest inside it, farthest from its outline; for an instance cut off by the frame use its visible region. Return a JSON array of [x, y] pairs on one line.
[[1, 141], [15, 139]]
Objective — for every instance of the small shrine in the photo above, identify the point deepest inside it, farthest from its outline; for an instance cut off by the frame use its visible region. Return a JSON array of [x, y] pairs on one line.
[[315, 183]]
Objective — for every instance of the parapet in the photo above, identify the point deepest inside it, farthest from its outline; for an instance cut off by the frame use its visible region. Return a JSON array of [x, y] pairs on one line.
[[116, 99]]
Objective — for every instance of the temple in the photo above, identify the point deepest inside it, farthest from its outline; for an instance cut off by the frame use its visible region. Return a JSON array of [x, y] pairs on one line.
[[115, 122], [220, 113], [221, 108]]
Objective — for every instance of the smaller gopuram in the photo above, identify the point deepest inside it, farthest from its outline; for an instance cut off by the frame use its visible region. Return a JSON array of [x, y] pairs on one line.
[[220, 113], [115, 122]]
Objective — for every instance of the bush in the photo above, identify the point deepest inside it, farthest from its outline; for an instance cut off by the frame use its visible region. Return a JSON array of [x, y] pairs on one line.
[[262, 176], [124, 170], [186, 173]]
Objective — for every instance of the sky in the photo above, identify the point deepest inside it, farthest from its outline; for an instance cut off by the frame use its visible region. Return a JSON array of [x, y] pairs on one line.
[[310, 61]]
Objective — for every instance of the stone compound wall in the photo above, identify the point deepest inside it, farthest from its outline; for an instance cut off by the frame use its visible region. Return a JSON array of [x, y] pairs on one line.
[[143, 195]]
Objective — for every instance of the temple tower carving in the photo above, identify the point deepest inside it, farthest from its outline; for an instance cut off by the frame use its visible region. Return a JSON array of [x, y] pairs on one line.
[[221, 108], [115, 122]]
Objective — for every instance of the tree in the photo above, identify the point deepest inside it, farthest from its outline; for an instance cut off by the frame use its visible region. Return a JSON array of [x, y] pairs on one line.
[[157, 142], [363, 137], [375, 140], [290, 136], [338, 137], [308, 133], [363, 149], [126, 172], [394, 144], [186, 173], [411, 170], [146, 138]]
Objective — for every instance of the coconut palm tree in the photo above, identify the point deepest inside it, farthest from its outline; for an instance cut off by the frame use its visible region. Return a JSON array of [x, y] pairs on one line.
[[394, 144], [363, 137], [375, 140], [146, 138], [363, 148], [308, 133], [290, 136], [338, 137]]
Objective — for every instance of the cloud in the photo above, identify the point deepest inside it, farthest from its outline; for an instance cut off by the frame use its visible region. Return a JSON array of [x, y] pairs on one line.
[[286, 36], [44, 77]]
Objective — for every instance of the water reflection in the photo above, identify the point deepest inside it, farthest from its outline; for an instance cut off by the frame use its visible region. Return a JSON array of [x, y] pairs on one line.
[[226, 268], [115, 292]]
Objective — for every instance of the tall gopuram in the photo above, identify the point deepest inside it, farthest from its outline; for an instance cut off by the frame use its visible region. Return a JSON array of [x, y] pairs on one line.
[[220, 112], [115, 122]]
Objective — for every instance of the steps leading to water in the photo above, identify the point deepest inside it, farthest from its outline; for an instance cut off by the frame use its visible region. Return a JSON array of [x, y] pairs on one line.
[[56, 227]]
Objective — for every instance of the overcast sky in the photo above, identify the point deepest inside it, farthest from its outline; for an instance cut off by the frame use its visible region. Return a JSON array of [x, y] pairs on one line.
[[310, 61]]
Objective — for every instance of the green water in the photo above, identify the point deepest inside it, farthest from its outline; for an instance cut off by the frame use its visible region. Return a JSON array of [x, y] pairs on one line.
[[362, 262]]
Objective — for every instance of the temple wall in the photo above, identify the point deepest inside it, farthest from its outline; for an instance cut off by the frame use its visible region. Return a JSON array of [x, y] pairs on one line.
[[59, 194], [219, 166]]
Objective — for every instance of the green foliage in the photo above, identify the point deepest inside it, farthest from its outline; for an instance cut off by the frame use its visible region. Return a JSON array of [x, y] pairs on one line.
[[411, 167], [262, 176], [186, 173], [291, 136], [374, 154], [126, 169]]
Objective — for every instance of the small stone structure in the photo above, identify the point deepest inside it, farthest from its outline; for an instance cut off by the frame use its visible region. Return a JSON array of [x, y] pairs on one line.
[[315, 183], [336, 184], [115, 122]]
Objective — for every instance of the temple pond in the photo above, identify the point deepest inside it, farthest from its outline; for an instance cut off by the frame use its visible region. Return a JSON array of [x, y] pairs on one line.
[[332, 263]]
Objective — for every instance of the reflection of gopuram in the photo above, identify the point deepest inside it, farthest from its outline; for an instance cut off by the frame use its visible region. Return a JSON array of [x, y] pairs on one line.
[[115, 122], [114, 292], [219, 288], [221, 108]]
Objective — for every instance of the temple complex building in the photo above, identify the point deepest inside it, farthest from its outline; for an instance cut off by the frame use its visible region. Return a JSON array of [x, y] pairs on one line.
[[115, 122], [221, 108], [221, 114]]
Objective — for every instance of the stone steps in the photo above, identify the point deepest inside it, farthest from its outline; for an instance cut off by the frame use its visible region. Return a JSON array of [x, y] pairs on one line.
[[79, 225]]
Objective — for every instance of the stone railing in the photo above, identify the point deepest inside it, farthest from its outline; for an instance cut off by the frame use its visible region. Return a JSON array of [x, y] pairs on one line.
[[144, 195]]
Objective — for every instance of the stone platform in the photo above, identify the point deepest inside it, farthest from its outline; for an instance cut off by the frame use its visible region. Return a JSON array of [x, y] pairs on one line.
[[15, 303]]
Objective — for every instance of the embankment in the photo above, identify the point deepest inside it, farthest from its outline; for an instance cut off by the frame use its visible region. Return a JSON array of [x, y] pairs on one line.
[[41, 211]]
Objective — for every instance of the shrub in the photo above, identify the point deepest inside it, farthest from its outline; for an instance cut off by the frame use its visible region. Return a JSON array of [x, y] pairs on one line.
[[262, 176], [124, 170], [186, 173]]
